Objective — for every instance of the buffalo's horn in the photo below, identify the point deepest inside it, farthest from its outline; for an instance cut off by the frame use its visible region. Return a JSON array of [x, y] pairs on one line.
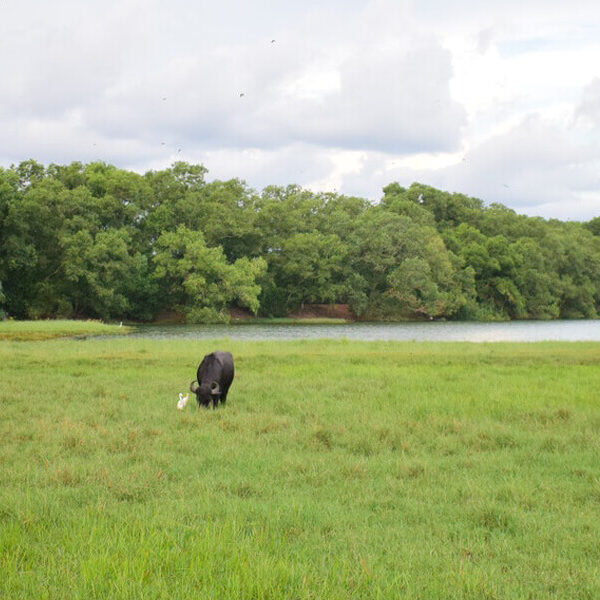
[[192, 388], [215, 388]]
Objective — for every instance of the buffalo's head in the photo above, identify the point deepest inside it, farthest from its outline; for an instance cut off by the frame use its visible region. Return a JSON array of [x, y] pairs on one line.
[[206, 393]]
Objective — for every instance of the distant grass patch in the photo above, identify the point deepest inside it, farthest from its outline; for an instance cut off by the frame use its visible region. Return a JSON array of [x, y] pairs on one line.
[[337, 470], [45, 330]]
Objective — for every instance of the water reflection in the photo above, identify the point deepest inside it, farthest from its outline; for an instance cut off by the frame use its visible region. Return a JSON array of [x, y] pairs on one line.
[[513, 331]]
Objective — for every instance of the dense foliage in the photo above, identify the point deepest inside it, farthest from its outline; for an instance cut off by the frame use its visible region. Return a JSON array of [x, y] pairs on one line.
[[97, 241]]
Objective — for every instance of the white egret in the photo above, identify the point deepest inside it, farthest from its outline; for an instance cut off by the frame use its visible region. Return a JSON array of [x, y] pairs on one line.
[[183, 400]]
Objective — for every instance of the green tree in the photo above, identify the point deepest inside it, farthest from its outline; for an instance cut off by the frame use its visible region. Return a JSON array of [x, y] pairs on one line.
[[198, 280], [29, 173], [168, 188], [381, 243], [283, 212], [225, 213], [95, 240], [495, 262], [594, 226], [448, 210], [396, 199], [538, 285], [30, 250], [412, 284], [305, 240], [573, 254], [71, 176], [9, 184], [102, 273], [307, 268], [2, 299]]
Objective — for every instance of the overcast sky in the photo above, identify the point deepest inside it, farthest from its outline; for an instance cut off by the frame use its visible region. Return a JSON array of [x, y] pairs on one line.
[[498, 100]]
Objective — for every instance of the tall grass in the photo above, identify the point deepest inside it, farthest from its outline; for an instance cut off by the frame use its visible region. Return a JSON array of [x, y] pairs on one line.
[[337, 470]]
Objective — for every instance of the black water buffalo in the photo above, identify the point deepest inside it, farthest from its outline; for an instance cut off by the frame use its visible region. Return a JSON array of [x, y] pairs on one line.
[[215, 374]]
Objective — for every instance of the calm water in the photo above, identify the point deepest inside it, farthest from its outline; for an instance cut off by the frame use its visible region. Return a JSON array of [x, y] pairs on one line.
[[514, 331]]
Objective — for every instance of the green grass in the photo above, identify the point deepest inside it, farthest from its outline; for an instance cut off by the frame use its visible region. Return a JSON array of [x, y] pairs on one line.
[[45, 330], [337, 470]]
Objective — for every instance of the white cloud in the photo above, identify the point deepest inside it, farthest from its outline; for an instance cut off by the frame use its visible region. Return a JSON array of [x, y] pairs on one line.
[[589, 107], [349, 95], [537, 168], [392, 96], [296, 163], [536, 163]]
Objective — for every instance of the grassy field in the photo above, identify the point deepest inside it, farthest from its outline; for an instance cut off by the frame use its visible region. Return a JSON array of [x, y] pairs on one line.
[[45, 330], [337, 470]]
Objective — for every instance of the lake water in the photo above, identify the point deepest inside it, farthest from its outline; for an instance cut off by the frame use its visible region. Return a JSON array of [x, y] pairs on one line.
[[437, 331]]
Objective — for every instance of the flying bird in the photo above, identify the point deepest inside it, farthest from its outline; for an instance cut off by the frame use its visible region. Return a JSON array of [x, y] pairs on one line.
[[242, 94]]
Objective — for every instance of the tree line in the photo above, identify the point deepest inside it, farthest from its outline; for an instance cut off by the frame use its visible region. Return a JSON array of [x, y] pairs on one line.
[[95, 241]]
